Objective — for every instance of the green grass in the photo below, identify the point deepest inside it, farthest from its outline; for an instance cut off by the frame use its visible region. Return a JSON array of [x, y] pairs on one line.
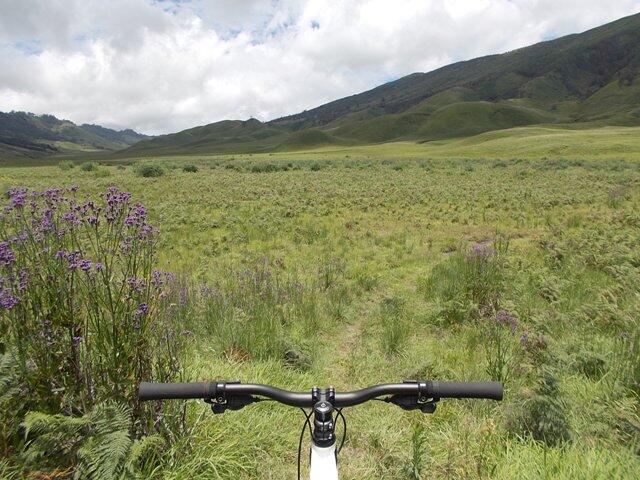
[[344, 240]]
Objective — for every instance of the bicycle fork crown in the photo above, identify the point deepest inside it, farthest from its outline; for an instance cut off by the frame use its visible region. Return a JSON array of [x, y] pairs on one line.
[[323, 422]]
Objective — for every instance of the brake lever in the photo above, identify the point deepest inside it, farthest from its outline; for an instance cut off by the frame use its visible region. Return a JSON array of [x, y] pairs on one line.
[[223, 402], [413, 402], [235, 402]]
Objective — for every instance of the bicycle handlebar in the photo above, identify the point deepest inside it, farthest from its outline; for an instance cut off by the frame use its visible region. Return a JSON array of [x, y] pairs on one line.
[[429, 389]]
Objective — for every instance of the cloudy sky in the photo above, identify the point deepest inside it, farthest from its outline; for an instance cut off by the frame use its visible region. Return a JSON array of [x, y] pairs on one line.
[[160, 66]]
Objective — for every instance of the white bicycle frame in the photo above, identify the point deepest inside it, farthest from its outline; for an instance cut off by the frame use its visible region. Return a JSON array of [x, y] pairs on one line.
[[323, 463]]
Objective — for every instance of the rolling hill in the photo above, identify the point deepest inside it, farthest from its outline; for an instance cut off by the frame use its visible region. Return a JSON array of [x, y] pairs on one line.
[[27, 135], [591, 78]]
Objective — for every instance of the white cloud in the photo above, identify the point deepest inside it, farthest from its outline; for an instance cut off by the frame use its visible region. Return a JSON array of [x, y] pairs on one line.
[[162, 66]]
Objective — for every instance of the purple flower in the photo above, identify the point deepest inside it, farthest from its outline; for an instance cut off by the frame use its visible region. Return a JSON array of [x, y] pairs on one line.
[[20, 238], [75, 260], [99, 266], [136, 284], [60, 254], [7, 299], [7, 257], [146, 231], [143, 309], [71, 218], [508, 319], [85, 265], [482, 251], [160, 277], [17, 197], [23, 280], [46, 225], [75, 341]]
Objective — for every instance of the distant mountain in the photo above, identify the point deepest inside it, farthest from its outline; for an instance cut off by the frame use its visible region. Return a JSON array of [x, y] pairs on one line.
[[25, 134], [588, 78]]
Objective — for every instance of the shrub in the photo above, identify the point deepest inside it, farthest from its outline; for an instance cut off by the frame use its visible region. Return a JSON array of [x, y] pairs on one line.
[[98, 443], [65, 165], [190, 169], [268, 167], [89, 166], [81, 306], [102, 173], [149, 171]]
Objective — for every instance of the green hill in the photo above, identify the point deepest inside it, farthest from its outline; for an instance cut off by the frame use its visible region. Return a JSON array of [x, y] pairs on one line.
[[590, 78], [24, 134], [222, 137]]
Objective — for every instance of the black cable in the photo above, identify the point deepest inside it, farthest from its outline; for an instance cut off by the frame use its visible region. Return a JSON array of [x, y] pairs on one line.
[[344, 431], [304, 427]]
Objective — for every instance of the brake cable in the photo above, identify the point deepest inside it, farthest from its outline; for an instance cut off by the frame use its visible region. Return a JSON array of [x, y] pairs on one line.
[[344, 431], [306, 423]]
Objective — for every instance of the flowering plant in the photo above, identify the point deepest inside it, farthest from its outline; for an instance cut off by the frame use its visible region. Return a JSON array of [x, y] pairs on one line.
[[80, 300]]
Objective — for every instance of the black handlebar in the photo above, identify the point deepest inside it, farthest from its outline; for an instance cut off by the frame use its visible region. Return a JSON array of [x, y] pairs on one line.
[[212, 390]]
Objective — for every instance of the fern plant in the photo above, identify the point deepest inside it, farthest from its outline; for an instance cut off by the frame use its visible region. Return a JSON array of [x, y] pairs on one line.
[[11, 402], [98, 445]]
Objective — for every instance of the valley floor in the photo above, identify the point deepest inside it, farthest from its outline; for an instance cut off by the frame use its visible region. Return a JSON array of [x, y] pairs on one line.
[[403, 258]]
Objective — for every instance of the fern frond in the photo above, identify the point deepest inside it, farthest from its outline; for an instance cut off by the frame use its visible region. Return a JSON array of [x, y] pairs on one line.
[[104, 458], [110, 417], [8, 372], [142, 450], [52, 433]]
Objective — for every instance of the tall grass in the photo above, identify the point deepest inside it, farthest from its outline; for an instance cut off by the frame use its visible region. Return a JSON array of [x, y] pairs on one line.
[[395, 327], [258, 313], [81, 302], [468, 284]]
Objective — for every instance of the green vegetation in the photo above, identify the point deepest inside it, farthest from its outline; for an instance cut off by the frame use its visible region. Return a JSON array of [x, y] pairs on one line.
[[66, 165], [89, 167], [149, 170], [485, 263]]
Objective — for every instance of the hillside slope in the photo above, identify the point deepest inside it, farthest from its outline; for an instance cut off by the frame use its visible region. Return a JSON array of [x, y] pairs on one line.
[[24, 134], [590, 78], [228, 136]]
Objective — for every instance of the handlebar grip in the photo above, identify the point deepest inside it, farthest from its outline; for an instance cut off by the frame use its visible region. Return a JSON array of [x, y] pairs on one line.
[[489, 390], [165, 391]]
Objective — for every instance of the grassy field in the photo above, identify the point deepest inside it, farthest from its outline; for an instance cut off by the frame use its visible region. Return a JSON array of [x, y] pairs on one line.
[[510, 256]]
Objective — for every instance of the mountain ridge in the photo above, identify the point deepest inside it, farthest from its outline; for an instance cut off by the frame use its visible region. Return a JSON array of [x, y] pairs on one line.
[[25, 134], [589, 78]]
